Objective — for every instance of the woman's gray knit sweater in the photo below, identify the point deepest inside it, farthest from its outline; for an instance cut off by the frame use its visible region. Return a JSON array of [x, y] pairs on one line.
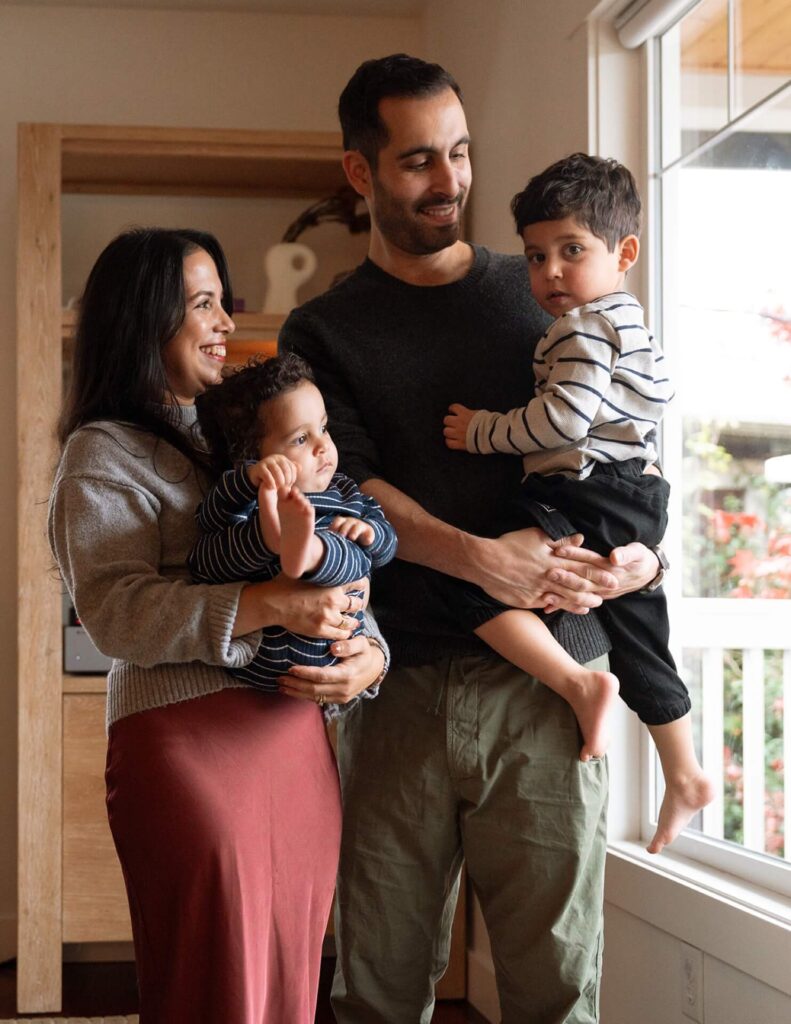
[[121, 524]]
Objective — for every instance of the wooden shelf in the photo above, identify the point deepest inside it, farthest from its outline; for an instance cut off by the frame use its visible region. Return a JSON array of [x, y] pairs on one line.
[[75, 683], [209, 162]]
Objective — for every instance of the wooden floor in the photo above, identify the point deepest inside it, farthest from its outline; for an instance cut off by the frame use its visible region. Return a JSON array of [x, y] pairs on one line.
[[106, 990]]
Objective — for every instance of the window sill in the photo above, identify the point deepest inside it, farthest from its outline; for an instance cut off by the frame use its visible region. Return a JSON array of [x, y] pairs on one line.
[[741, 924]]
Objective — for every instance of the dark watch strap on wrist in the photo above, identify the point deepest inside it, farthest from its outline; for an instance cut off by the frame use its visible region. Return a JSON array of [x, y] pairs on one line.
[[664, 566]]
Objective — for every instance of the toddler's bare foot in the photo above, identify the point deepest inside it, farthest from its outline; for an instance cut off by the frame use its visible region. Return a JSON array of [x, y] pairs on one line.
[[683, 798], [268, 517], [297, 522], [592, 703]]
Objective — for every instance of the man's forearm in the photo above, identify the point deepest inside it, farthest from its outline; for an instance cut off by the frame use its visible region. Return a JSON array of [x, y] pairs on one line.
[[512, 568], [424, 539]]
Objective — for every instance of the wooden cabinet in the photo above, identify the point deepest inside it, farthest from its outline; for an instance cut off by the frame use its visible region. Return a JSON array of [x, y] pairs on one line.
[[69, 881], [70, 886]]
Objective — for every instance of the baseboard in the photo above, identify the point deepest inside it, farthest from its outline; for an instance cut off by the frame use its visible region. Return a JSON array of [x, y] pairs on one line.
[[482, 986], [8, 938]]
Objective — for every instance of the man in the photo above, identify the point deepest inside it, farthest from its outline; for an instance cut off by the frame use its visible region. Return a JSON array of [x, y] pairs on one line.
[[462, 756]]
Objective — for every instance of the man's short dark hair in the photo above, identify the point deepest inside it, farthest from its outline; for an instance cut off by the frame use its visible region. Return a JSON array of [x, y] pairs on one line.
[[600, 194], [398, 75], [232, 414]]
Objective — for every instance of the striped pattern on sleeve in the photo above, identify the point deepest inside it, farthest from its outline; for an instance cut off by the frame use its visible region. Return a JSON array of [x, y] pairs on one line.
[[231, 547], [601, 389]]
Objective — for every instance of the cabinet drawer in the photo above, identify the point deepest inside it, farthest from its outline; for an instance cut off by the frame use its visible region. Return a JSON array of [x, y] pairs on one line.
[[94, 898]]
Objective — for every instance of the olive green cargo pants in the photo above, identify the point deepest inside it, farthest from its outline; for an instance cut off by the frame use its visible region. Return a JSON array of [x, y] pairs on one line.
[[468, 759]]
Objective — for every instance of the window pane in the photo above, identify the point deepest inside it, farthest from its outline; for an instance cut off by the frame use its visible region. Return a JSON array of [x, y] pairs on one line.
[[726, 325], [696, 54], [733, 368]]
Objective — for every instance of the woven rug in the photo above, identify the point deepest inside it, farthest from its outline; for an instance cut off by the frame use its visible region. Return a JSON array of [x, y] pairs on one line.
[[72, 1020]]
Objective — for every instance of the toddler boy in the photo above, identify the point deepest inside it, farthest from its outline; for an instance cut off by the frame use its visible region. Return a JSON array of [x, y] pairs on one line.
[[588, 454]]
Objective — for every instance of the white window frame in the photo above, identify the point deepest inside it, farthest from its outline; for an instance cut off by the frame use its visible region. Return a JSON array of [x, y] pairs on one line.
[[756, 868], [758, 885]]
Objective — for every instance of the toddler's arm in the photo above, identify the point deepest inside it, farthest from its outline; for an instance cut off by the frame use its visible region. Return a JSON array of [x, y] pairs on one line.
[[231, 546], [577, 369], [349, 559], [382, 547]]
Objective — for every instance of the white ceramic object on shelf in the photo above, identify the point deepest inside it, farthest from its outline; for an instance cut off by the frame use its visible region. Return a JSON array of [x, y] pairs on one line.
[[287, 266]]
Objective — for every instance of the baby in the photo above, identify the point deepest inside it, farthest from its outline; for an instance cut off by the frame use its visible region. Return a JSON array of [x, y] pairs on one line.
[[280, 505], [587, 441]]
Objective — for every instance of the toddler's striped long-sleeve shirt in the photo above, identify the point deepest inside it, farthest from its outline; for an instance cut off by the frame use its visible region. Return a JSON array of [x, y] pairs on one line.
[[601, 389], [231, 548]]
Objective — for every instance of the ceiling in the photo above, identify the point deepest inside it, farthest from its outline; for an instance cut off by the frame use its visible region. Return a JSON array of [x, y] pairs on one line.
[[392, 8], [763, 36]]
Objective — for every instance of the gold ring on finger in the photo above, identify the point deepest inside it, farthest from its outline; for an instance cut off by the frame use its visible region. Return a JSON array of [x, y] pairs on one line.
[[321, 700]]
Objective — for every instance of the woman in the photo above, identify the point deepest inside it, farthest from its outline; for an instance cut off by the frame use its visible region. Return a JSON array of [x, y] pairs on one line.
[[223, 801]]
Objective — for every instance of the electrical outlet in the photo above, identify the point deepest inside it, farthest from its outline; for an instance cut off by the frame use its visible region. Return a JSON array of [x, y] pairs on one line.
[[691, 961]]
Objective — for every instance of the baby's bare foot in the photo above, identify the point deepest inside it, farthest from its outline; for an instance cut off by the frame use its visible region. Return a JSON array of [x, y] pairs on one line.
[[683, 798], [297, 523], [592, 703]]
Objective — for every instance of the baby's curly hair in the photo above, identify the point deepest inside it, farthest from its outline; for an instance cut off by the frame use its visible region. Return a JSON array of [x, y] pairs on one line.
[[232, 414]]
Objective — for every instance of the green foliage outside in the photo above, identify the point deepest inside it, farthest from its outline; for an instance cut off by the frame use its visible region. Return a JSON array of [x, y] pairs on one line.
[[743, 548], [774, 769]]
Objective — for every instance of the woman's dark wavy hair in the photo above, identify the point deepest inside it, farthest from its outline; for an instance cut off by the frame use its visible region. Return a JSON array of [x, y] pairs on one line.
[[232, 414], [132, 305], [600, 194]]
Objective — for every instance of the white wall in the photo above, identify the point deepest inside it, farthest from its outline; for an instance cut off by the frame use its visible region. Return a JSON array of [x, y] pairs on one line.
[[644, 981], [186, 68], [522, 67]]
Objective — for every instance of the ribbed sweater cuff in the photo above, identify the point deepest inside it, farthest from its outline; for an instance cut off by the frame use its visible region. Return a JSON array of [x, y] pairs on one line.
[[132, 689], [232, 652]]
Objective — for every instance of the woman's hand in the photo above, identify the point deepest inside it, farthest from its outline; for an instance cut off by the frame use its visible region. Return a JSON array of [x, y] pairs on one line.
[[299, 607], [361, 663]]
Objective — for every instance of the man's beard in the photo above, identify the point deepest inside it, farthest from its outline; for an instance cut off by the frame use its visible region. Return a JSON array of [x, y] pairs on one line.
[[401, 224]]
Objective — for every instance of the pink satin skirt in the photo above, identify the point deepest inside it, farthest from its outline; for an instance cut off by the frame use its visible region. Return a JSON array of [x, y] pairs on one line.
[[226, 815]]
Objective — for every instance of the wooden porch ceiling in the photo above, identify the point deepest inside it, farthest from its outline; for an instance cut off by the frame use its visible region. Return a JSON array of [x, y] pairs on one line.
[[763, 37]]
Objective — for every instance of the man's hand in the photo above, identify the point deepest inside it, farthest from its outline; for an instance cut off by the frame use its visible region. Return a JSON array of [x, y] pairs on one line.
[[524, 570], [456, 423], [632, 567]]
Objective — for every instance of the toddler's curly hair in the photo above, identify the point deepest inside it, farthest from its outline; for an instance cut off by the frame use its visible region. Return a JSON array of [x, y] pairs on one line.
[[232, 414]]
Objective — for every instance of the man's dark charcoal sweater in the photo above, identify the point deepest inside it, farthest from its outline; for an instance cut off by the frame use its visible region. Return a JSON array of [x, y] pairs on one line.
[[390, 358]]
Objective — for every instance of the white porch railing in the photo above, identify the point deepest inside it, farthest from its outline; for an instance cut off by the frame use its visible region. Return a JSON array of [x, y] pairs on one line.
[[714, 627]]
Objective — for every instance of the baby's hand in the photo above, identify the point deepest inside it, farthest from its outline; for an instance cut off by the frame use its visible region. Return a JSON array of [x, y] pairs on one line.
[[353, 529], [456, 423], [273, 473]]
